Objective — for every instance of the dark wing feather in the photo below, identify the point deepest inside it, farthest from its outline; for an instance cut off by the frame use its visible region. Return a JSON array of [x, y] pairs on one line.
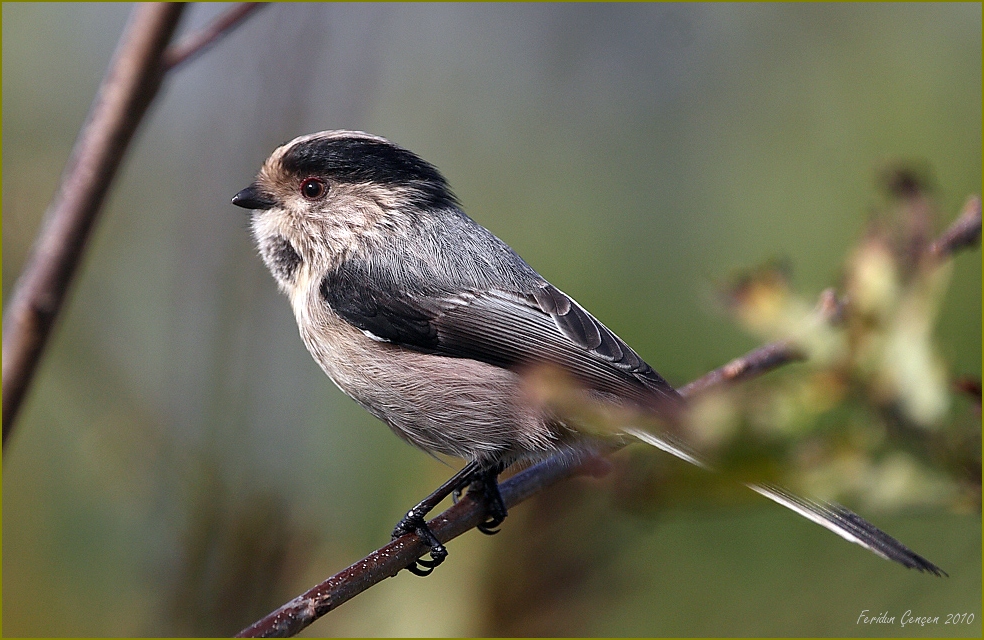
[[377, 307], [508, 329], [505, 329], [585, 331]]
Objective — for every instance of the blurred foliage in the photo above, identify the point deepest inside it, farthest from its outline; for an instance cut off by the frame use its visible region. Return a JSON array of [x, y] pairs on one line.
[[867, 415], [182, 463], [867, 418], [242, 550]]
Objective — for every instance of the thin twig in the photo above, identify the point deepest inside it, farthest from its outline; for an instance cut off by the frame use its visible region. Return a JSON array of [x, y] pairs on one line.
[[767, 357], [196, 43], [131, 82], [965, 232], [757, 362]]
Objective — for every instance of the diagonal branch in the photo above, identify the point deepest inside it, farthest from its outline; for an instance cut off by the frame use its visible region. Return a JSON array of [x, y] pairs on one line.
[[467, 513], [195, 44], [130, 85], [387, 561], [753, 363]]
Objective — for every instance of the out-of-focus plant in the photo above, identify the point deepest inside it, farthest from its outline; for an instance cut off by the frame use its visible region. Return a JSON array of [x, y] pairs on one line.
[[869, 416]]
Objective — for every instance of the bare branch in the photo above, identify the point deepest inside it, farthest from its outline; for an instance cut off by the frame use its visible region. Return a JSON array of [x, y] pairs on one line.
[[195, 44], [386, 562], [130, 84]]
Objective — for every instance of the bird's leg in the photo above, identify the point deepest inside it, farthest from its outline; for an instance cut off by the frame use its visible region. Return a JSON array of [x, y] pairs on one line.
[[481, 481], [414, 520], [486, 483]]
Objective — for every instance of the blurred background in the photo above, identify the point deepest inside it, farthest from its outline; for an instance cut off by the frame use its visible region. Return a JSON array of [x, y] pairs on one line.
[[182, 466]]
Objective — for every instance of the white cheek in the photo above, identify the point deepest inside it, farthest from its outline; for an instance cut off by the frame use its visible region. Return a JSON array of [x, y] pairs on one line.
[[259, 224], [269, 224]]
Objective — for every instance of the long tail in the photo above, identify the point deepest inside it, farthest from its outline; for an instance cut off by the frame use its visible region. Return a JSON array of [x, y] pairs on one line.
[[834, 517]]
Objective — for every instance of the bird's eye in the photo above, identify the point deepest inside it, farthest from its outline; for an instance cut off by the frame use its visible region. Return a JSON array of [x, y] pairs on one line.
[[313, 188]]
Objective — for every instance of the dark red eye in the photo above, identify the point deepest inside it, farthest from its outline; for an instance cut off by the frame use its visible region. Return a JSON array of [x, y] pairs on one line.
[[313, 188]]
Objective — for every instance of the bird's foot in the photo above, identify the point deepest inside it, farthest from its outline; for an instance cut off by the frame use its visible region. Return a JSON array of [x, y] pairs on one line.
[[481, 482], [486, 486], [414, 523]]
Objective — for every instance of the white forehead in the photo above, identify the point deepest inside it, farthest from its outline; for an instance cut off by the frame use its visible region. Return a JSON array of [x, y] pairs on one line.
[[333, 134]]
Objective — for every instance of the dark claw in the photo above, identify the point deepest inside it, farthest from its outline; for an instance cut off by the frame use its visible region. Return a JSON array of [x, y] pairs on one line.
[[413, 522], [427, 564], [488, 488], [488, 527], [483, 482], [405, 526], [438, 554]]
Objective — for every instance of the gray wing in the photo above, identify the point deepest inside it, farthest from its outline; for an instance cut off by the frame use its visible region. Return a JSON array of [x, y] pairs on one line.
[[503, 328], [545, 325]]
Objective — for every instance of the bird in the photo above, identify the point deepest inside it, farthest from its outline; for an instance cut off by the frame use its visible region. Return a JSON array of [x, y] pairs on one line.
[[429, 321]]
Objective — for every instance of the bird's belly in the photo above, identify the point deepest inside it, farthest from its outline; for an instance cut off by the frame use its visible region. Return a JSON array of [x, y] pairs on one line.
[[452, 406]]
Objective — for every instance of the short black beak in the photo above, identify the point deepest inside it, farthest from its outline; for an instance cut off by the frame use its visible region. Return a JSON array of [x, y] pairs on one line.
[[252, 197]]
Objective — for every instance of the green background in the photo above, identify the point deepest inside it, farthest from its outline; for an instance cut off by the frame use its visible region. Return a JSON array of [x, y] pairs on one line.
[[182, 465]]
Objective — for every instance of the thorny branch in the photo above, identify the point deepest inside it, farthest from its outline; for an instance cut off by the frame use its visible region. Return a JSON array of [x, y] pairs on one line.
[[467, 513], [130, 85]]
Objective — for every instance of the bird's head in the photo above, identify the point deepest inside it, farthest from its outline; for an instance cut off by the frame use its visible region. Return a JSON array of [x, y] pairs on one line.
[[323, 195]]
